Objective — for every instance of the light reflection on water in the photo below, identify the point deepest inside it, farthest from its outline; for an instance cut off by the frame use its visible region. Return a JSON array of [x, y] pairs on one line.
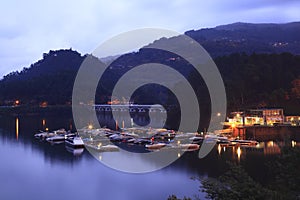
[[17, 128], [28, 164], [40, 170]]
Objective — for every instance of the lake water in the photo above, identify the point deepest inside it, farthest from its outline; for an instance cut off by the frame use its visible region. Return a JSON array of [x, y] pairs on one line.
[[33, 169]]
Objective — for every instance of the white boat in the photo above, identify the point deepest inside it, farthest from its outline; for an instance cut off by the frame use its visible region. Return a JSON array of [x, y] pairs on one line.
[[56, 138], [244, 142], [103, 148], [190, 147], [155, 146], [108, 147], [75, 142], [41, 134], [44, 135], [61, 131]]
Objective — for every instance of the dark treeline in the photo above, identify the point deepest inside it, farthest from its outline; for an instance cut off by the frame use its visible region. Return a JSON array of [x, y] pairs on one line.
[[257, 80]]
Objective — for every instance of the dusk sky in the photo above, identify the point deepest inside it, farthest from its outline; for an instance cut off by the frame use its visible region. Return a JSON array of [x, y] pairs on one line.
[[30, 28]]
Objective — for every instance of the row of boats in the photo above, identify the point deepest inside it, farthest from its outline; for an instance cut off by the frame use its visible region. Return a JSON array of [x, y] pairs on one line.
[[60, 136], [149, 139], [154, 139]]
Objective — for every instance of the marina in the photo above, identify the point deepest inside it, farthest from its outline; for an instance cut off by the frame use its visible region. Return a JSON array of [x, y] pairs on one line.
[[56, 160]]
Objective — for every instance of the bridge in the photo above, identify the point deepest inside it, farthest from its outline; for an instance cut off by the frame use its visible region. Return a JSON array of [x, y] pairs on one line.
[[129, 107]]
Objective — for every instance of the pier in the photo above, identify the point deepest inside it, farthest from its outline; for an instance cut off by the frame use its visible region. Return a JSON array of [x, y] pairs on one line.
[[132, 108]]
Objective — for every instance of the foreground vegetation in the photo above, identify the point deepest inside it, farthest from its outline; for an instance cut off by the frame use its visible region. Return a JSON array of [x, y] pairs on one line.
[[283, 181]]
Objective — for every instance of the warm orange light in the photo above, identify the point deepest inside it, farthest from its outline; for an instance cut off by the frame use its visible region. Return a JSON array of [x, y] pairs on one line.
[[233, 125], [17, 128], [114, 102], [44, 104], [270, 144], [90, 126]]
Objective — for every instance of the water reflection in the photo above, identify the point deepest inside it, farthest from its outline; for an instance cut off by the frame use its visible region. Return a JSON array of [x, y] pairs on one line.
[[52, 163], [262, 149], [239, 152], [17, 128], [219, 149]]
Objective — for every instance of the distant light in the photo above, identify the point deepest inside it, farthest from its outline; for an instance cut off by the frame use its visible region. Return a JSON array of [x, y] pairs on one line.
[[294, 143], [270, 144], [90, 126], [218, 114], [47, 129], [238, 115]]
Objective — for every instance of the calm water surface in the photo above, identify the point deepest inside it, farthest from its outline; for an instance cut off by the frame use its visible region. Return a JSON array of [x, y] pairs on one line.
[[32, 169]]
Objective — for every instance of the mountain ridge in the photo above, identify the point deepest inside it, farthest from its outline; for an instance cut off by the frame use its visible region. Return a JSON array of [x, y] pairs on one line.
[[241, 62]]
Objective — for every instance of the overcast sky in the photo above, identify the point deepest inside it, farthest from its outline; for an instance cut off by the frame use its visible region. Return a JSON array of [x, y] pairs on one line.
[[30, 28]]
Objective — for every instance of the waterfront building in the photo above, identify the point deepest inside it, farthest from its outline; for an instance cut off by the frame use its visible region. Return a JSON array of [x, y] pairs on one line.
[[265, 116], [294, 120]]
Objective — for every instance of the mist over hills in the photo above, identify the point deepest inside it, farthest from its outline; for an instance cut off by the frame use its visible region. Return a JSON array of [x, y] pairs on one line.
[[259, 63]]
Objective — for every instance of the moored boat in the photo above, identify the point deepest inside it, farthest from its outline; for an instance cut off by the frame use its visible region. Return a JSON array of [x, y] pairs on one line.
[[244, 142], [190, 147], [75, 142], [44, 135], [155, 146], [56, 138], [103, 148]]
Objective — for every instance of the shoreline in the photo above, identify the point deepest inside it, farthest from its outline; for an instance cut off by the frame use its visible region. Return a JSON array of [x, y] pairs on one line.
[[34, 110]]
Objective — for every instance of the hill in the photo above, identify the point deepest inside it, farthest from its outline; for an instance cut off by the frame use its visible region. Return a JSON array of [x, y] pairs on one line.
[[249, 38], [48, 80], [250, 58]]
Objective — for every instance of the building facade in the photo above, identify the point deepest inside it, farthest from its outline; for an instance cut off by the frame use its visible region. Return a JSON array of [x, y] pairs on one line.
[[267, 116]]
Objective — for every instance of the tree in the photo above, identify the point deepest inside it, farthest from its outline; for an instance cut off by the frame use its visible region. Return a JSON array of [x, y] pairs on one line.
[[295, 91], [234, 184]]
